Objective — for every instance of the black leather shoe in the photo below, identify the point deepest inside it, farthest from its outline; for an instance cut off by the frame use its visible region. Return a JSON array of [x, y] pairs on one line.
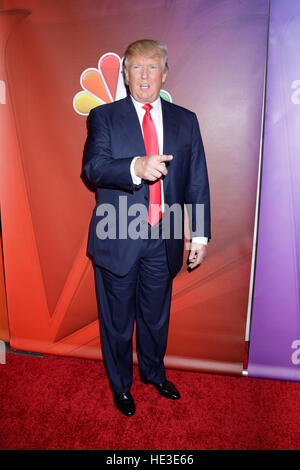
[[166, 389], [124, 402]]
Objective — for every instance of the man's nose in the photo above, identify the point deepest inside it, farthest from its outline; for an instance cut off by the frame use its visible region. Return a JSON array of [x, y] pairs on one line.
[[144, 72]]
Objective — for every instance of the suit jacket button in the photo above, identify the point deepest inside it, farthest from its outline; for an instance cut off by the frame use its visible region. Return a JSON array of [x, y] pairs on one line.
[[146, 197]]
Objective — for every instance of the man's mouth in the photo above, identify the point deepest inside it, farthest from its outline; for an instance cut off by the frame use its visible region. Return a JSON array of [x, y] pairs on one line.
[[144, 86]]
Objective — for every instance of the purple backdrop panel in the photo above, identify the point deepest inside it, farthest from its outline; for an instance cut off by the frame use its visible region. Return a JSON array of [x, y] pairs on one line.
[[275, 336]]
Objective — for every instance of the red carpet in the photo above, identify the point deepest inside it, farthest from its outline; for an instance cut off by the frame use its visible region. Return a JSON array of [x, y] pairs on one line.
[[65, 403]]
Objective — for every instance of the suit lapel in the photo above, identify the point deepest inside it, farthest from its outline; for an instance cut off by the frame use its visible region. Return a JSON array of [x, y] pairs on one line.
[[170, 126], [131, 127]]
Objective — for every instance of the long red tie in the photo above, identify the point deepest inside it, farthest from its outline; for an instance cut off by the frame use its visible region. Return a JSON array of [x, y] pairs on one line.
[[152, 148]]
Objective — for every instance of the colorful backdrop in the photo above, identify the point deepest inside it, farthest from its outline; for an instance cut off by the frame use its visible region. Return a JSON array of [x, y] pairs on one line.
[[4, 330], [216, 55], [275, 329]]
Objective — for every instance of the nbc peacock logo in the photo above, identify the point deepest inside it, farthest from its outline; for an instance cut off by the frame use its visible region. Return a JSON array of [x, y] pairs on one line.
[[103, 85]]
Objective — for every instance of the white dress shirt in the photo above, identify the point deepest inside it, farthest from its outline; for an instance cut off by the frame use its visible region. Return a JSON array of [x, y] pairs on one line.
[[156, 114]]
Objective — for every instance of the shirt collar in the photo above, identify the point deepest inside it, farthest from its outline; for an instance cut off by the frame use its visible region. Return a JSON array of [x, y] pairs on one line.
[[156, 104]]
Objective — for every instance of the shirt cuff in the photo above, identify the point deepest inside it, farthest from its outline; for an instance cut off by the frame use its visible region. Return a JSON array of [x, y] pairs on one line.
[[200, 240], [135, 179]]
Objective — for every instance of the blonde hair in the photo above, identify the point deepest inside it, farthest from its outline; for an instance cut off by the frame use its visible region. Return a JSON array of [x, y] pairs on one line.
[[148, 48]]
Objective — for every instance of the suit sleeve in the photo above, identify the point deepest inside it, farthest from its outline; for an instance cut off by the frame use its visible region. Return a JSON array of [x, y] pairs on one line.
[[197, 195], [98, 166]]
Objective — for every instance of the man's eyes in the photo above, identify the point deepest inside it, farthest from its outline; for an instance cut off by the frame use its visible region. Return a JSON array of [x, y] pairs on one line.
[[151, 67]]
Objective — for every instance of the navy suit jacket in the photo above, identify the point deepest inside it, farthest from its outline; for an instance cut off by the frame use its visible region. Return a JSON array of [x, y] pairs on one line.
[[114, 138]]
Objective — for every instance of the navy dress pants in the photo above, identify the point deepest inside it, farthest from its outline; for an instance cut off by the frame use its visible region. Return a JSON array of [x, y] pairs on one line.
[[143, 295]]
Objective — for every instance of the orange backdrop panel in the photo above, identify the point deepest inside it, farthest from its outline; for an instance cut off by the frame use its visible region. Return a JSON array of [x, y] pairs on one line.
[[8, 20], [216, 56], [4, 331]]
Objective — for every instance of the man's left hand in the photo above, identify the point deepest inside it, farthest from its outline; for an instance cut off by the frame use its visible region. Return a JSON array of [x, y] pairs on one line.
[[197, 255]]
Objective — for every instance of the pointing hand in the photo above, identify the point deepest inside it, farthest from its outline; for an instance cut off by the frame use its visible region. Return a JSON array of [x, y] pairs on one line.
[[151, 167]]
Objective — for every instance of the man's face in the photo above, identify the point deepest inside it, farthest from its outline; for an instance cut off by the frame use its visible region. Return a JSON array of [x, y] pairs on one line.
[[145, 77]]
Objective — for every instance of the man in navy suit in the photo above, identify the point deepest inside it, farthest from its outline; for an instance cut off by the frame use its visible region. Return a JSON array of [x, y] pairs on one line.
[[146, 159]]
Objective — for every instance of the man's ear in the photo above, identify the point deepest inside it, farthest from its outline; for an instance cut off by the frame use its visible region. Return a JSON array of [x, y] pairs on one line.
[[164, 77]]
